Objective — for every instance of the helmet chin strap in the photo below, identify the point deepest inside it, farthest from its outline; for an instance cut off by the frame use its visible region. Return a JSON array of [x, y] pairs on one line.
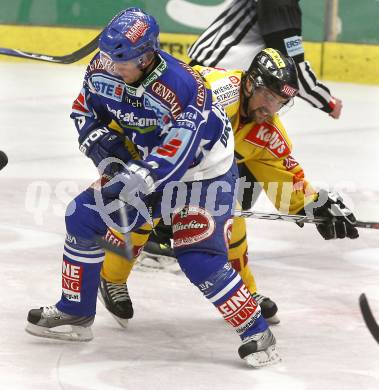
[[145, 70], [245, 100]]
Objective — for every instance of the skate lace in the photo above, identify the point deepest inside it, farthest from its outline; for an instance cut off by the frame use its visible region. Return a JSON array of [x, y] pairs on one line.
[[118, 292], [258, 297], [51, 311]]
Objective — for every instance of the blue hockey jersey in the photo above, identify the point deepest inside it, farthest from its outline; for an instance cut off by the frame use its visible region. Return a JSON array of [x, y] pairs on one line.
[[180, 132]]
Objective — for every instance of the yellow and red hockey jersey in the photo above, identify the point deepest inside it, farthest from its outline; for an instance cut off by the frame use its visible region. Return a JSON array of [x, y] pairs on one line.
[[264, 148]]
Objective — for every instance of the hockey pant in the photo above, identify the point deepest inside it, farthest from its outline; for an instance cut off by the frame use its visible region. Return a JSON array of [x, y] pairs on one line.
[[200, 244], [261, 173], [117, 270]]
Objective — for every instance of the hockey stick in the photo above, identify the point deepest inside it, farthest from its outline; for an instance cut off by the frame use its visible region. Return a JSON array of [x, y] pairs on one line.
[[248, 214], [371, 324], [128, 245], [66, 59], [125, 250], [299, 218]]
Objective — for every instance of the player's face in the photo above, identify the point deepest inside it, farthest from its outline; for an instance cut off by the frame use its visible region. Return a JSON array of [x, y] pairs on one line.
[[264, 104], [129, 71]]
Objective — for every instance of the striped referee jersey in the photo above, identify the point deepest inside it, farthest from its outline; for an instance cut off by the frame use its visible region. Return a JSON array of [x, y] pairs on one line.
[[248, 26]]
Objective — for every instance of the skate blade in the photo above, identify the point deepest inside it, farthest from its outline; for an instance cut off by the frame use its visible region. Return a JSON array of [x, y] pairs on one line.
[[74, 333], [263, 358], [150, 263], [123, 322], [274, 320]]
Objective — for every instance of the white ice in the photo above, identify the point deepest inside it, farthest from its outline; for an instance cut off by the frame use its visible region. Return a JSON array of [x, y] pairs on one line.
[[176, 339]]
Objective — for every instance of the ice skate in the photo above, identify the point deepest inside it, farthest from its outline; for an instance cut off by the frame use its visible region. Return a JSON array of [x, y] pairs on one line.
[[156, 257], [115, 297], [51, 323], [268, 308], [259, 350]]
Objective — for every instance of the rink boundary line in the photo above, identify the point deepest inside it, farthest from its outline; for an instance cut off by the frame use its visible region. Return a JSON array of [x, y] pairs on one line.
[[336, 61]]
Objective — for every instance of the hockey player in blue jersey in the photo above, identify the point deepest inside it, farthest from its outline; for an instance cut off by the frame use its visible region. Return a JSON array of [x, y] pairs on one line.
[[185, 172]]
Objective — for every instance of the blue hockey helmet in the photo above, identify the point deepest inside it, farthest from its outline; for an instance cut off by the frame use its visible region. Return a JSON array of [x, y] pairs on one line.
[[275, 71], [129, 35]]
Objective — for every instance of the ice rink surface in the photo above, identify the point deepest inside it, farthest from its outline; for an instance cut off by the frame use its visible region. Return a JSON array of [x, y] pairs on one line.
[[177, 340]]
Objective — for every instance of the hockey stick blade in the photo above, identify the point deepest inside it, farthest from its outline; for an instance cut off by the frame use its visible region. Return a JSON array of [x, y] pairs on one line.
[[298, 218], [368, 317], [66, 59]]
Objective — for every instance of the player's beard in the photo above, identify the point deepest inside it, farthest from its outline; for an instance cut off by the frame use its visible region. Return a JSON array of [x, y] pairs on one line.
[[259, 115]]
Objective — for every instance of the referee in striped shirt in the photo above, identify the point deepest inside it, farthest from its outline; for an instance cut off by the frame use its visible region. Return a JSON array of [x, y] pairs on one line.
[[247, 27]]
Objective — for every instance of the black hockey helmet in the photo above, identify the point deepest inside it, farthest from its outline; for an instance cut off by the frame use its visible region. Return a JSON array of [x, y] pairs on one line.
[[272, 69]]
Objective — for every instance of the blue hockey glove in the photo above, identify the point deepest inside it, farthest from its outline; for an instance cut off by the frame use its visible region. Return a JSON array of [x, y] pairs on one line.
[[101, 143], [132, 181], [340, 223]]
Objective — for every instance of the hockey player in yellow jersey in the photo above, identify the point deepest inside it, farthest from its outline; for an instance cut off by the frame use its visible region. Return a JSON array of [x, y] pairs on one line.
[[263, 150]]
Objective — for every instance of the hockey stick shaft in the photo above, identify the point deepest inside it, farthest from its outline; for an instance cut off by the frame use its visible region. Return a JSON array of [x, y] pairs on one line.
[[111, 248], [245, 214], [299, 218], [126, 252], [126, 249], [368, 317], [65, 59]]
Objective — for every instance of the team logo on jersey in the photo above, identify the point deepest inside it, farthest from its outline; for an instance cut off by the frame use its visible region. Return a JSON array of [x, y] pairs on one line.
[[268, 136], [174, 145], [191, 225], [228, 231], [80, 105], [129, 119], [72, 277], [290, 163], [137, 31], [234, 80], [170, 148], [226, 91], [226, 125], [111, 89], [164, 92], [133, 102], [200, 97], [96, 64]]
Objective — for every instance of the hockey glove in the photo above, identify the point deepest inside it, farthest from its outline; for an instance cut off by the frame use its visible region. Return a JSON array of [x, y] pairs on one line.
[[340, 223], [130, 183], [336, 106], [102, 143]]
